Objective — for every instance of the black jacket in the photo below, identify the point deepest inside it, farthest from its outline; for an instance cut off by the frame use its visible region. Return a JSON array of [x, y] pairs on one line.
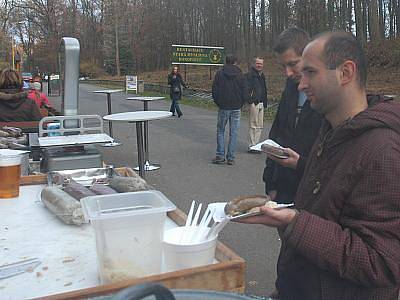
[[300, 138], [177, 83], [229, 88], [257, 87]]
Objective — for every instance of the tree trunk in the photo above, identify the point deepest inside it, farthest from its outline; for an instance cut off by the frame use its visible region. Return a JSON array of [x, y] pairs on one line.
[[373, 21], [359, 22], [117, 64]]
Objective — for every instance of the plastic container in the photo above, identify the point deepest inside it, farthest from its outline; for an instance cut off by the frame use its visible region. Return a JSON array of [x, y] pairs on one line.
[[177, 256], [129, 230], [53, 126]]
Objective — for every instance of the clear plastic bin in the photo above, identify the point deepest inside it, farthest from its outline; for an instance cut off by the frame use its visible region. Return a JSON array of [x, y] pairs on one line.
[[129, 230]]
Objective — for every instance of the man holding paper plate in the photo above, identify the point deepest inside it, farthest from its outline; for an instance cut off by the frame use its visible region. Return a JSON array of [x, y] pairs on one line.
[[296, 124]]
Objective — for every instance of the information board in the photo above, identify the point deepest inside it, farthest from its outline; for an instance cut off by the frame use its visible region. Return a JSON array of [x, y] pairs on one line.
[[197, 55], [131, 83]]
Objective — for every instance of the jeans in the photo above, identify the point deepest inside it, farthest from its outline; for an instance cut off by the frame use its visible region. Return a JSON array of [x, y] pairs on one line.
[[175, 106], [233, 116]]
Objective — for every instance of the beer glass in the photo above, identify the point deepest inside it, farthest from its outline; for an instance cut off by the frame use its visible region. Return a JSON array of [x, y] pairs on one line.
[[10, 174]]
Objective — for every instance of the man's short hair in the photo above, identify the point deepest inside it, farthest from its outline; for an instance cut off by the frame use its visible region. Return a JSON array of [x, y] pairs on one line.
[[292, 37], [257, 57], [230, 59], [10, 79], [341, 46]]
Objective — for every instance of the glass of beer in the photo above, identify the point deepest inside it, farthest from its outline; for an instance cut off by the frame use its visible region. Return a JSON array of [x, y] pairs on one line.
[[10, 174]]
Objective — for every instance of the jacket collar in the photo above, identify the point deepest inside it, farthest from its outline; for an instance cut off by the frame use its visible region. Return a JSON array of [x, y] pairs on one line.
[[381, 113]]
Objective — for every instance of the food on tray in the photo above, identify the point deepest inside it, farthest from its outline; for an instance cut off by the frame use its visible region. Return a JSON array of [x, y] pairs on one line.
[[63, 205], [245, 204], [77, 190], [275, 151], [19, 140], [101, 189], [8, 131], [128, 184]]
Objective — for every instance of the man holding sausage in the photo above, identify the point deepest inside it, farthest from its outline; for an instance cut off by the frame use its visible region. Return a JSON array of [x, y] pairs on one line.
[[343, 240]]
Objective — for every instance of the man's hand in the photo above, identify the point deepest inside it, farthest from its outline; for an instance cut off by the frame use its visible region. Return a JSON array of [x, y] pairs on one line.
[[272, 194], [271, 217], [290, 162]]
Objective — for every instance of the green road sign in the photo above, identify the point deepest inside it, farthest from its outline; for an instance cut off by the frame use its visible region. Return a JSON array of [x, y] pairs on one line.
[[197, 55]]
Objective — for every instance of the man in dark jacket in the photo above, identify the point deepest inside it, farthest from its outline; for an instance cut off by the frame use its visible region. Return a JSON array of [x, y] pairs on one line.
[[257, 99], [229, 94], [343, 240], [296, 124], [14, 103]]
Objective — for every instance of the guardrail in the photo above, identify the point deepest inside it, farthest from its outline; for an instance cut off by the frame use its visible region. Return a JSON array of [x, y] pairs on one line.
[[194, 94]]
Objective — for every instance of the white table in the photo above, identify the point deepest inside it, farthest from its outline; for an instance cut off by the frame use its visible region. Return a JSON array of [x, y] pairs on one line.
[[139, 117], [67, 252], [109, 92], [147, 165]]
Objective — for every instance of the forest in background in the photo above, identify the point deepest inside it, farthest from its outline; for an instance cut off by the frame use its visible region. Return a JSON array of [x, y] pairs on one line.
[[134, 36]]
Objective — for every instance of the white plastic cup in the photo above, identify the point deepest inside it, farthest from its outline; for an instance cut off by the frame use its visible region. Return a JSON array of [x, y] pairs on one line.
[[177, 256]]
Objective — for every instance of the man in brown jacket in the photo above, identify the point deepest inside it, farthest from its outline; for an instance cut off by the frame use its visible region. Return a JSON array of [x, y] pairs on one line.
[[343, 239]]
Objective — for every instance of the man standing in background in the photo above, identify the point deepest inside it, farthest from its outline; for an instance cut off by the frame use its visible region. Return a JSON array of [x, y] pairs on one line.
[[229, 94], [257, 88], [296, 124]]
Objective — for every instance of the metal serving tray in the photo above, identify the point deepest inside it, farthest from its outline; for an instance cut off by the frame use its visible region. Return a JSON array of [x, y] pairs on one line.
[[82, 176], [51, 141]]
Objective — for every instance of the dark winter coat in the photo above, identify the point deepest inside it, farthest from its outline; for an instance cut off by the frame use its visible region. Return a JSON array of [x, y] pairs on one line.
[[229, 89], [345, 242], [16, 107], [257, 87], [298, 137], [175, 90]]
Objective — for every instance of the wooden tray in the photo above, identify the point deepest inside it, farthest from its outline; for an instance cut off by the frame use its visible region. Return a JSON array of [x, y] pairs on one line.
[[227, 275]]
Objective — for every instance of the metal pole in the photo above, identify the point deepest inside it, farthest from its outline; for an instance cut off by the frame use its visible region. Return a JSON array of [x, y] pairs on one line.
[[109, 112], [13, 53], [146, 133], [139, 139]]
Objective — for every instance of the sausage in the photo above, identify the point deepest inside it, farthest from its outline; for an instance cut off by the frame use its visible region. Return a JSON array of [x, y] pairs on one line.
[[4, 134], [101, 189], [128, 184], [241, 205], [13, 131], [77, 190], [275, 151], [63, 205]]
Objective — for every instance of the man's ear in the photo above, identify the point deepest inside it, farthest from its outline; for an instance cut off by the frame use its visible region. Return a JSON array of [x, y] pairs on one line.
[[347, 72]]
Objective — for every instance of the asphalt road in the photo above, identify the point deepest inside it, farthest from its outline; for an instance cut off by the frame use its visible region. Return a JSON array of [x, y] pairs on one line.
[[184, 147]]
